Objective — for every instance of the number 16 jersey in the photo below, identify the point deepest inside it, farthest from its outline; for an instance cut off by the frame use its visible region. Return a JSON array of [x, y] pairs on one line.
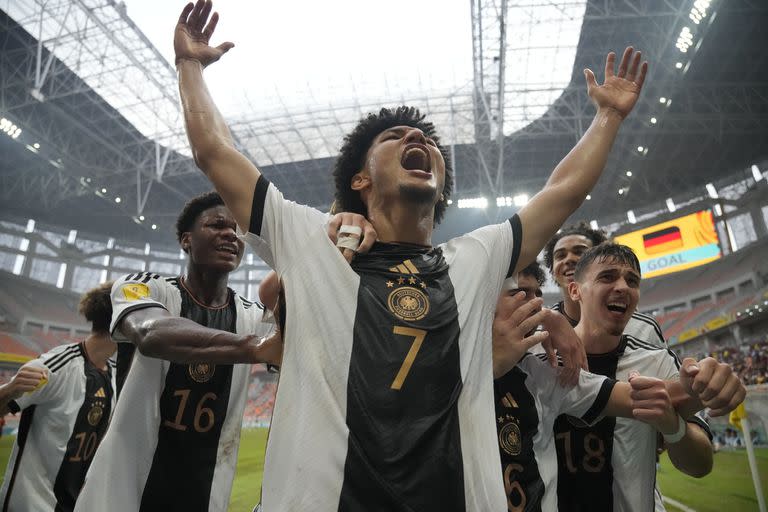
[[172, 444]]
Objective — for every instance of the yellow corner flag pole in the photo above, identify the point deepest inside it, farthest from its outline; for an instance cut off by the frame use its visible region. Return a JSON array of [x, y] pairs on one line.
[[738, 418]]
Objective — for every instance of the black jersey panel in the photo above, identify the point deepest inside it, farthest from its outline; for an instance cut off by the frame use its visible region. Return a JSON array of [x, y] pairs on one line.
[[90, 426], [404, 450], [584, 454], [193, 406], [517, 423]]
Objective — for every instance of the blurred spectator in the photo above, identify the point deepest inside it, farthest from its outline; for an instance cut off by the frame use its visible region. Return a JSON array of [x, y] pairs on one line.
[[749, 361]]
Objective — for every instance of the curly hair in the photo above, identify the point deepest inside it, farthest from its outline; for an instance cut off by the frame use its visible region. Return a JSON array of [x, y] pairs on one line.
[[610, 252], [355, 148], [96, 306], [535, 271], [193, 209], [596, 236]]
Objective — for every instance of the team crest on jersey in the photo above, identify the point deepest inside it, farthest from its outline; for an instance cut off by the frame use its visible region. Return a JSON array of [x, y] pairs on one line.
[[95, 414], [408, 303], [135, 291], [201, 372], [510, 439]]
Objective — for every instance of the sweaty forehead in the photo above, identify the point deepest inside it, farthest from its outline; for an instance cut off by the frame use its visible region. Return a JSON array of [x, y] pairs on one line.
[[570, 241]]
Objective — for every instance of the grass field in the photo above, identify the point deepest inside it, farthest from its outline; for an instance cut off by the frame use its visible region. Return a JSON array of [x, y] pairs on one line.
[[728, 487]]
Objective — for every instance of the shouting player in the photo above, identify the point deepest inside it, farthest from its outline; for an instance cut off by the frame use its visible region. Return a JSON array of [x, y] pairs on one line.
[[529, 399], [65, 398], [612, 465], [173, 441], [386, 387]]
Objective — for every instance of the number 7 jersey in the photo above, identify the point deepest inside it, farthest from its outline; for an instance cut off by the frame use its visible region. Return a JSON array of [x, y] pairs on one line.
[[172, 444]]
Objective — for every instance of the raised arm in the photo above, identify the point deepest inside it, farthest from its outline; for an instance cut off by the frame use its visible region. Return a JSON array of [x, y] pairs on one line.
[[213, 149], [577, 173], [156, 333]]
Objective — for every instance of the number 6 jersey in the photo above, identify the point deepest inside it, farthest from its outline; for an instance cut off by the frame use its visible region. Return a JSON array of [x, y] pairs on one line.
[[173, 441], [62, 422]]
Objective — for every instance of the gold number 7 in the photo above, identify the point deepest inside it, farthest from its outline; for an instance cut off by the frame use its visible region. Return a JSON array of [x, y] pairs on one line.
[[418, 338]]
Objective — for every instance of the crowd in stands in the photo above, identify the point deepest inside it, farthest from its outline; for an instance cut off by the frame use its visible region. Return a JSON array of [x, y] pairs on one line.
[[749, 360]]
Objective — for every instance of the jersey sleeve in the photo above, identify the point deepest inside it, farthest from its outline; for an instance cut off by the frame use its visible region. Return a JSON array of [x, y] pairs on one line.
[[134, 292], [279, 228], [588, 398], [46, 392]]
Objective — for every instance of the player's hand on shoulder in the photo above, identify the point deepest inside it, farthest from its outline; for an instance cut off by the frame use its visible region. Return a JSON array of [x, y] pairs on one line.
[[193, 33], [352, 234], [564, 339], [652, 404], [514, 332], [28, 378], [714, 384]]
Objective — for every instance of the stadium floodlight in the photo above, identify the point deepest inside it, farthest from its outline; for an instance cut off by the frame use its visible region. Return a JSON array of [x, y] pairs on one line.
[[684, 40], [593, 224], [678, 65], [640, 149], [662, 100], [653, 120], [621, 191], [473, 202], [520, 199], [756, 173], [589, 197], [629, 174], [141, 218], [631, 217], [671, 205], [712, 191], [103, 190], [450, 201], [36, 145], [504, 201], [118, 199], [154, 226]]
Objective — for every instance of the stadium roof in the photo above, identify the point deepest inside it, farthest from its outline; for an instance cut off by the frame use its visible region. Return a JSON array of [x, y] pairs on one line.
[[84, 81]]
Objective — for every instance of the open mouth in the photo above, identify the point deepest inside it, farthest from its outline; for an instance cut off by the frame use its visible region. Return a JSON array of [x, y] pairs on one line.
[[569, 273], [617, 307], [227, 248], [416, 158]]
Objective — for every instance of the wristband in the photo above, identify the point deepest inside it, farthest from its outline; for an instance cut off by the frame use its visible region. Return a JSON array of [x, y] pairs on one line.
[[679, 434]]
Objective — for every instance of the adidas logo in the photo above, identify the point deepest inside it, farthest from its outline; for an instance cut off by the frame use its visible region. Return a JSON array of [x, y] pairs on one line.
[[509, 401], [100, 393], [406, 267]]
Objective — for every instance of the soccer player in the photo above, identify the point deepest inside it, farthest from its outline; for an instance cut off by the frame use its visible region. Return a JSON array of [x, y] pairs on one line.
[[65, 397], [612, 464], [386, 389], [173, 441], [529, 399], [562, 253]]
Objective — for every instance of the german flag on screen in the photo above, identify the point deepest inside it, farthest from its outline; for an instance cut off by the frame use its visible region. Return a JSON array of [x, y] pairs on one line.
[[663, 240]]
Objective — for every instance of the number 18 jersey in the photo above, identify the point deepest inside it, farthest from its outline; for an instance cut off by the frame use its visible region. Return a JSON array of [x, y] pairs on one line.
[[173, 441]]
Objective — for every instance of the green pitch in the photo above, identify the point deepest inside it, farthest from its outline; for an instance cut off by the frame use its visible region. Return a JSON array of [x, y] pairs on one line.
[[728, 487]]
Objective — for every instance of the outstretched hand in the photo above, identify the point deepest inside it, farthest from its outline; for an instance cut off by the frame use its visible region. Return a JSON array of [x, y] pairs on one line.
[[620, 91], [192, 35]]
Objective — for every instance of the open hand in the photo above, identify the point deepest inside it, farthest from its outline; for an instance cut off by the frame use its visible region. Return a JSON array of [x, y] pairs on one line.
[[192, 35], [620, 91], [513, 331]]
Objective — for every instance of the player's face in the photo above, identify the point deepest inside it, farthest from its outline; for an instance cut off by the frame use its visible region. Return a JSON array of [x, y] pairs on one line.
[[526, 284], [213, 241], [403, 163], [566, 254], [608, 294]]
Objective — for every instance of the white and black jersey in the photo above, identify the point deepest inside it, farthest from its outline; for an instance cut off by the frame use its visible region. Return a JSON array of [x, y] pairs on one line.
[[385, 400], [640, 326], [611, 466], [528, 400], [62, 423], [173, 442]]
